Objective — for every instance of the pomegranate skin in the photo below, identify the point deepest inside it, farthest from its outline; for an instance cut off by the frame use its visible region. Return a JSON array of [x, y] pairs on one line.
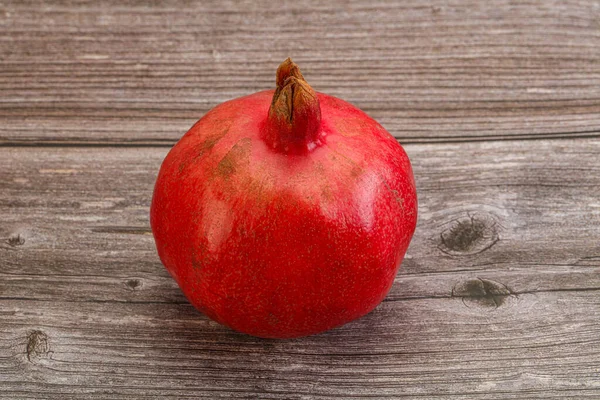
[[283, 245]]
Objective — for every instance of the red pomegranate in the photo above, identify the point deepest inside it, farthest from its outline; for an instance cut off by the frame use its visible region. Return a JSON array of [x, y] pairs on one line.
[[284, 213]]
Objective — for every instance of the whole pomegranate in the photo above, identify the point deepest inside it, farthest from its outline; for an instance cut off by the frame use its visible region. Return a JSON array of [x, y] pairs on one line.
[[284, 213]]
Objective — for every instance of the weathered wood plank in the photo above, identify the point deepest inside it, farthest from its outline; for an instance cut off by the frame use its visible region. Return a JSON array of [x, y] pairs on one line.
[[498, 298], [425, 348], [127, 72]]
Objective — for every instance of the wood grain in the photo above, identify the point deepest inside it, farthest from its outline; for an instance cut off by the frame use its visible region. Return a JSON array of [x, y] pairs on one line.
[[79, 72], [425, 348], [498, 103], [498, 296]]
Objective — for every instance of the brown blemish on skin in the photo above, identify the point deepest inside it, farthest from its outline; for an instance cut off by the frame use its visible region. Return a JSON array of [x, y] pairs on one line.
[[398, 199], [342, 125], [356, 171], [326, 188], [227, 165], [206, 146], [230, 163], [326, 192], [393, 192], [200, 257], [482, 292], [259, 194]]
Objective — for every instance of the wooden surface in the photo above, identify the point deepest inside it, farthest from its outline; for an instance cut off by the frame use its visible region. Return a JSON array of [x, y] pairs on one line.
[[497, 104]]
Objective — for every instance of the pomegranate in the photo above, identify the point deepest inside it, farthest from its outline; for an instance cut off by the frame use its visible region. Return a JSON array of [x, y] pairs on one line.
[[284, 213]]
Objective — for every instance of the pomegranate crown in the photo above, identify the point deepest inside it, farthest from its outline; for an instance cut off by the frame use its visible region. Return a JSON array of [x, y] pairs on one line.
[[294, 119]]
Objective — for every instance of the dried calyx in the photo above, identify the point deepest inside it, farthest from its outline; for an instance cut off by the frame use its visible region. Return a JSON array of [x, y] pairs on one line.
[[294, 120]]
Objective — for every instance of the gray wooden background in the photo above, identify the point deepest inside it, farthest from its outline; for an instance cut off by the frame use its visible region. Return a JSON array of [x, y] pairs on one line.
[[497, 103]]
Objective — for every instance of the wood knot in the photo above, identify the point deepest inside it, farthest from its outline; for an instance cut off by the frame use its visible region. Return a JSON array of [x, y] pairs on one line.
[[482, 293], [133, 284], [16, 239], [37, 345], [469, 235]]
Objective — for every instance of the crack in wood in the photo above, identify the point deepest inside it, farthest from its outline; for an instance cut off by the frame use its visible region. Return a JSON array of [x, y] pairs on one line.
[[129, 230]]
